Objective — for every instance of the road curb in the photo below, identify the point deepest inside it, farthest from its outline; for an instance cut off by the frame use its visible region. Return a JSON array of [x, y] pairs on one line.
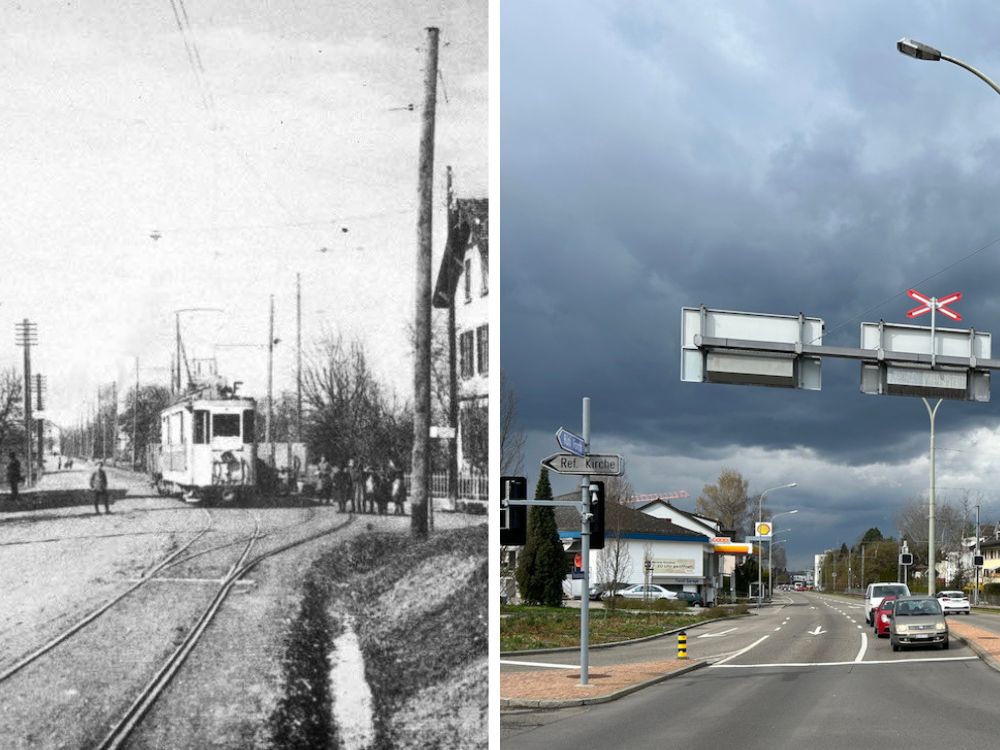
[[568, 649], [527, 703], [988, 659]]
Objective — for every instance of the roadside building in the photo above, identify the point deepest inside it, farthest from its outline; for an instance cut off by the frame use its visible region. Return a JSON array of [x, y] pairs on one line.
[[681, 559], [462, 288]]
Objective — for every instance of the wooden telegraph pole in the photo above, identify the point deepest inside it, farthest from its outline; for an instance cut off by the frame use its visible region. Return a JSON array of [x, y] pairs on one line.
[[420, 474], [27, 336]]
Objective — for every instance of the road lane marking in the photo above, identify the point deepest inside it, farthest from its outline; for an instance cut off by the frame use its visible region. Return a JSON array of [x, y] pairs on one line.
[[538, 664], [842, 663], [818, 631], [777, 629], [716, 635], [864, 647], [742, 650]]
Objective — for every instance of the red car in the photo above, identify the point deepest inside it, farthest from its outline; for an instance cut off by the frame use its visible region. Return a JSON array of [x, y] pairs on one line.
[[882, 616]]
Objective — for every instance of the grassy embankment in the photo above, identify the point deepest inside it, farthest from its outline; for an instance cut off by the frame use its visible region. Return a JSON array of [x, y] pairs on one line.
[[419, 609], [552, 627]]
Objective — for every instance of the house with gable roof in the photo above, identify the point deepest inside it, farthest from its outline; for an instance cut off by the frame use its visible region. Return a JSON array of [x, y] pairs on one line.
[[683, 559], [462, 288]]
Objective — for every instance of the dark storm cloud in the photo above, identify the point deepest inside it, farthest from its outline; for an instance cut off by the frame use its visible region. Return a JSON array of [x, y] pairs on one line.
[[765, 157]]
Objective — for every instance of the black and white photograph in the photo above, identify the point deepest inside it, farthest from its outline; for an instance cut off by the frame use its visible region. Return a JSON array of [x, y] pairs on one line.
[[245, 386]]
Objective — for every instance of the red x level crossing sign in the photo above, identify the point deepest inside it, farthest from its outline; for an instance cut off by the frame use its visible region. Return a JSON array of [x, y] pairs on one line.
[[933, 303]]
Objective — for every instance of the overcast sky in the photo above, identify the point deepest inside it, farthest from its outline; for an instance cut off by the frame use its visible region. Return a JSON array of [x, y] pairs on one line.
[[758, 156], [261, 134]]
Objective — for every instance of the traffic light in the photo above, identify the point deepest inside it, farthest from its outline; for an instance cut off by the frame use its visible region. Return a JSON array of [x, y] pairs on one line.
[[906, 559], [513, 518], [977, 561], [597, 522]]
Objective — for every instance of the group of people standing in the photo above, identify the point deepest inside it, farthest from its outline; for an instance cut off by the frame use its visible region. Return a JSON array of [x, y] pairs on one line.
[[367, 489]]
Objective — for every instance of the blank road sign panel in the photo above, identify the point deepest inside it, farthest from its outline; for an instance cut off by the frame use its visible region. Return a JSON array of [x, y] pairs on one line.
[[749, 367]]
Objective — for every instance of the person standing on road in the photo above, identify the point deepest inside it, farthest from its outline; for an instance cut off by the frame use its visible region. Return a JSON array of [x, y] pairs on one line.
[[14, 475], [397, 488], [99, 484], [324, 470], [357, 486], [341, 487]]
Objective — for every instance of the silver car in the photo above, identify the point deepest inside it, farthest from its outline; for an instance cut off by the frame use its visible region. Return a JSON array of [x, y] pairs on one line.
[[918, 620]]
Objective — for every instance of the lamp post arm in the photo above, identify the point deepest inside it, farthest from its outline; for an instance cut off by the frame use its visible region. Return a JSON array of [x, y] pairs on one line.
[[982, 76]]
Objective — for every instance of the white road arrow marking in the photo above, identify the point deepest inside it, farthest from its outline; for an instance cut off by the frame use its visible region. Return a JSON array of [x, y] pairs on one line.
[[716, 635], [818, 631]]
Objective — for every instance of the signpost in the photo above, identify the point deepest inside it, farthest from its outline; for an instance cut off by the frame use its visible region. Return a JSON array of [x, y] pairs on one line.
[[570, 441], [591, 494], [603, 464]]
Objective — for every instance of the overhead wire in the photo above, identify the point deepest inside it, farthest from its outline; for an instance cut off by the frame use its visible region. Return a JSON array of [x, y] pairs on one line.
[[887, 300]]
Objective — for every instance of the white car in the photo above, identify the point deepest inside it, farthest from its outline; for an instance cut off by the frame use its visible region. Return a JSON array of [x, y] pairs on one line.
[[651, 592], [953, 602], [875, 592]]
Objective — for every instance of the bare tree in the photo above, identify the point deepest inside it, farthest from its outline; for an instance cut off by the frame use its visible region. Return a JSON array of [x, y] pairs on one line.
[[511, 435], [11, 395], [726, 501]]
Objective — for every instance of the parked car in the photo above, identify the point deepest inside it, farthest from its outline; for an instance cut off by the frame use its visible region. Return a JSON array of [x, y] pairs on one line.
[[691, 597], [917, 621], [598, 590], [652, 591], [874, 594], [953, 602], [883, 616], [799, 587]]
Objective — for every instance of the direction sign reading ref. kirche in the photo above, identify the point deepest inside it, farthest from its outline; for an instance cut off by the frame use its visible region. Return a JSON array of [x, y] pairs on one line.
[[604, 464]]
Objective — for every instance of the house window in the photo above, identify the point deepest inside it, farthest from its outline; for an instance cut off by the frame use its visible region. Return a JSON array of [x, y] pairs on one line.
[[483, 349], [465, 352], [468, 280], [484, 265]]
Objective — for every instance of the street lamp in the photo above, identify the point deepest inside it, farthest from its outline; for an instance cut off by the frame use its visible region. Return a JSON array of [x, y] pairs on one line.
[[770, 545], [921, 51], [760, 511]]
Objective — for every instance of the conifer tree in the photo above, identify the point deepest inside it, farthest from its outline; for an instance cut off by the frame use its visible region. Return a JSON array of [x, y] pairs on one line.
[[542, 564]]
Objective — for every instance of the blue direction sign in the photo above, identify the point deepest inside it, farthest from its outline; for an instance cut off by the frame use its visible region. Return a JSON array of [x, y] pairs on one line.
[[571, 442]]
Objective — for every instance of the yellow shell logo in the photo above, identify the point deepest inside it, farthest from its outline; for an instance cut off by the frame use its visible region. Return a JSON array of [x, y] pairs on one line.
[[763, 529]]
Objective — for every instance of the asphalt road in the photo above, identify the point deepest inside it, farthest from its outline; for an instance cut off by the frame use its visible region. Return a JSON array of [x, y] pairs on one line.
[[808, 671]]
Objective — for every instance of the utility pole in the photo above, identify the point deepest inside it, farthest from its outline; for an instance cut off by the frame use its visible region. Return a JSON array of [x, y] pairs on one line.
[[177, 380], [114, 423], [135, 412], [40, 423], [298, 356], [27, 336], [420, 473], [976, 553], [452, 371], [270, 385]]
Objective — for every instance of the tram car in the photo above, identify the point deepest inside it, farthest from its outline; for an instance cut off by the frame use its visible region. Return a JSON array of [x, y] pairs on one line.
[[207, 449]]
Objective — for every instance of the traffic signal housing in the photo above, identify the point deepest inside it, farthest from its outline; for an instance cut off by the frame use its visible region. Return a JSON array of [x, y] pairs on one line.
[[905, 558], [513, 518], [977, 561], [597, 505]]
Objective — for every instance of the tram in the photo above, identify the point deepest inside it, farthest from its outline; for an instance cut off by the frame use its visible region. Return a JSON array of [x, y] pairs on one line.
[[207, 450]]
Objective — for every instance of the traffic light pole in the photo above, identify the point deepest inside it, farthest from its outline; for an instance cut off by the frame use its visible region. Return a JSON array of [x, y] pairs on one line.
[[585, 516]]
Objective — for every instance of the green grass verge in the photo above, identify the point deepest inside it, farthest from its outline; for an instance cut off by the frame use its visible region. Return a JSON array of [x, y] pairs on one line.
[[526, 627]]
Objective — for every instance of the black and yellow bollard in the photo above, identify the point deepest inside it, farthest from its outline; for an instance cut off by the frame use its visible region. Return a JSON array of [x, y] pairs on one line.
[[682, 645]]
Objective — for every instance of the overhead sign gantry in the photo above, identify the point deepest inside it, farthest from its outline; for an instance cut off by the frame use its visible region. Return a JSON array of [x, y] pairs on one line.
[[726, 346]]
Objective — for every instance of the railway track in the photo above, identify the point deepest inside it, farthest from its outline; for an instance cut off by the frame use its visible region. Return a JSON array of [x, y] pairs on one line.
[[244, 563], [147, 697], [170, 561]]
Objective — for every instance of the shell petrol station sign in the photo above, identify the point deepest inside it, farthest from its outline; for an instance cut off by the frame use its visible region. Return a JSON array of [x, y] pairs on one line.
[[763, 530]]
